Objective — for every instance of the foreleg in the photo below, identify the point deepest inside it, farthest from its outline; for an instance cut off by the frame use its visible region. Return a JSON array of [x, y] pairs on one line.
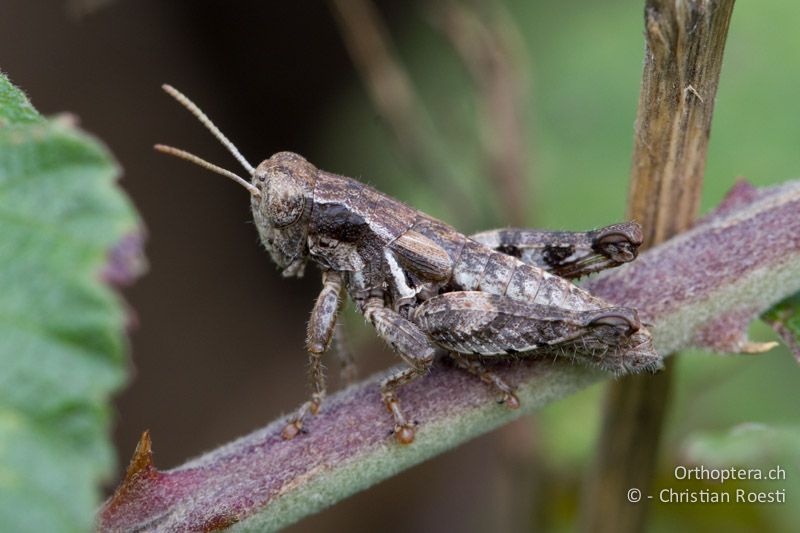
[[320, 331]]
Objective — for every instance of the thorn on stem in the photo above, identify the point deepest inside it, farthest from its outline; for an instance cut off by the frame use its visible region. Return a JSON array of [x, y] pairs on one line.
[[140, 470]]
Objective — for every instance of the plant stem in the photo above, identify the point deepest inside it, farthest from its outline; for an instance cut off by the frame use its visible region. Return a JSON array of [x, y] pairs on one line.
[[685, 40], [743, 259]]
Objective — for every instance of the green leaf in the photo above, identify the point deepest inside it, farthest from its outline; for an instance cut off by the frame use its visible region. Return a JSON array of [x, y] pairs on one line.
[[14, 105], [62, 342], [785, 320]]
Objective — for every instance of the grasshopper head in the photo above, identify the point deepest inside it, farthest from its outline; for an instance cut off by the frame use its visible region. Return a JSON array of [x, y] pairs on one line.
[[281, 192], [282, 208]]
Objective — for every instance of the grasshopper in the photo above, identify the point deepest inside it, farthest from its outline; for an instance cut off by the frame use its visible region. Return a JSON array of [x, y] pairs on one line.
[[428, 289]]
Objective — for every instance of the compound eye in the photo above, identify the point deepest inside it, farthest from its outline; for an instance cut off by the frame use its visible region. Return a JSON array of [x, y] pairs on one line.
[[285, 200]]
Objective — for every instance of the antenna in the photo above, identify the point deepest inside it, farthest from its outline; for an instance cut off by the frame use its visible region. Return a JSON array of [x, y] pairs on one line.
[[194, 110], [210, 166]]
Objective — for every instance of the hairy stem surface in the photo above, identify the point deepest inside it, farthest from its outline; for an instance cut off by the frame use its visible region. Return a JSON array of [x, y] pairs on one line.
[[699, 289]]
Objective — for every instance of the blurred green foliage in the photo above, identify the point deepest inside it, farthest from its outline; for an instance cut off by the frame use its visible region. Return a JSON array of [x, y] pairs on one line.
[[584, 63], [784, 317], [62, 347]]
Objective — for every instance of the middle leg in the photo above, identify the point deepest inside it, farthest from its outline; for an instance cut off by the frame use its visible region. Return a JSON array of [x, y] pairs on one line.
[[414, 348]]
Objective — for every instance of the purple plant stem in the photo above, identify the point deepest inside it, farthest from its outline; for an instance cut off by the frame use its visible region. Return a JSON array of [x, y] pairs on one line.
[[699, 289]]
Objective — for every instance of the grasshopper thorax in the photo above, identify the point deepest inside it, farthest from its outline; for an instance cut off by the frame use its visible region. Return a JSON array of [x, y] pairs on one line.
[[282, 208]]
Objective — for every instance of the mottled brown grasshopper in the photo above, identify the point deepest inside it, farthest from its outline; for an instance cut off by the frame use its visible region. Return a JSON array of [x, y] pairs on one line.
[[428, 289]]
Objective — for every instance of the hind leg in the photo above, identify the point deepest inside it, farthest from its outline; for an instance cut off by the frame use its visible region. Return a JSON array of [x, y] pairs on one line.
[[567, 254], [481, 324]]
